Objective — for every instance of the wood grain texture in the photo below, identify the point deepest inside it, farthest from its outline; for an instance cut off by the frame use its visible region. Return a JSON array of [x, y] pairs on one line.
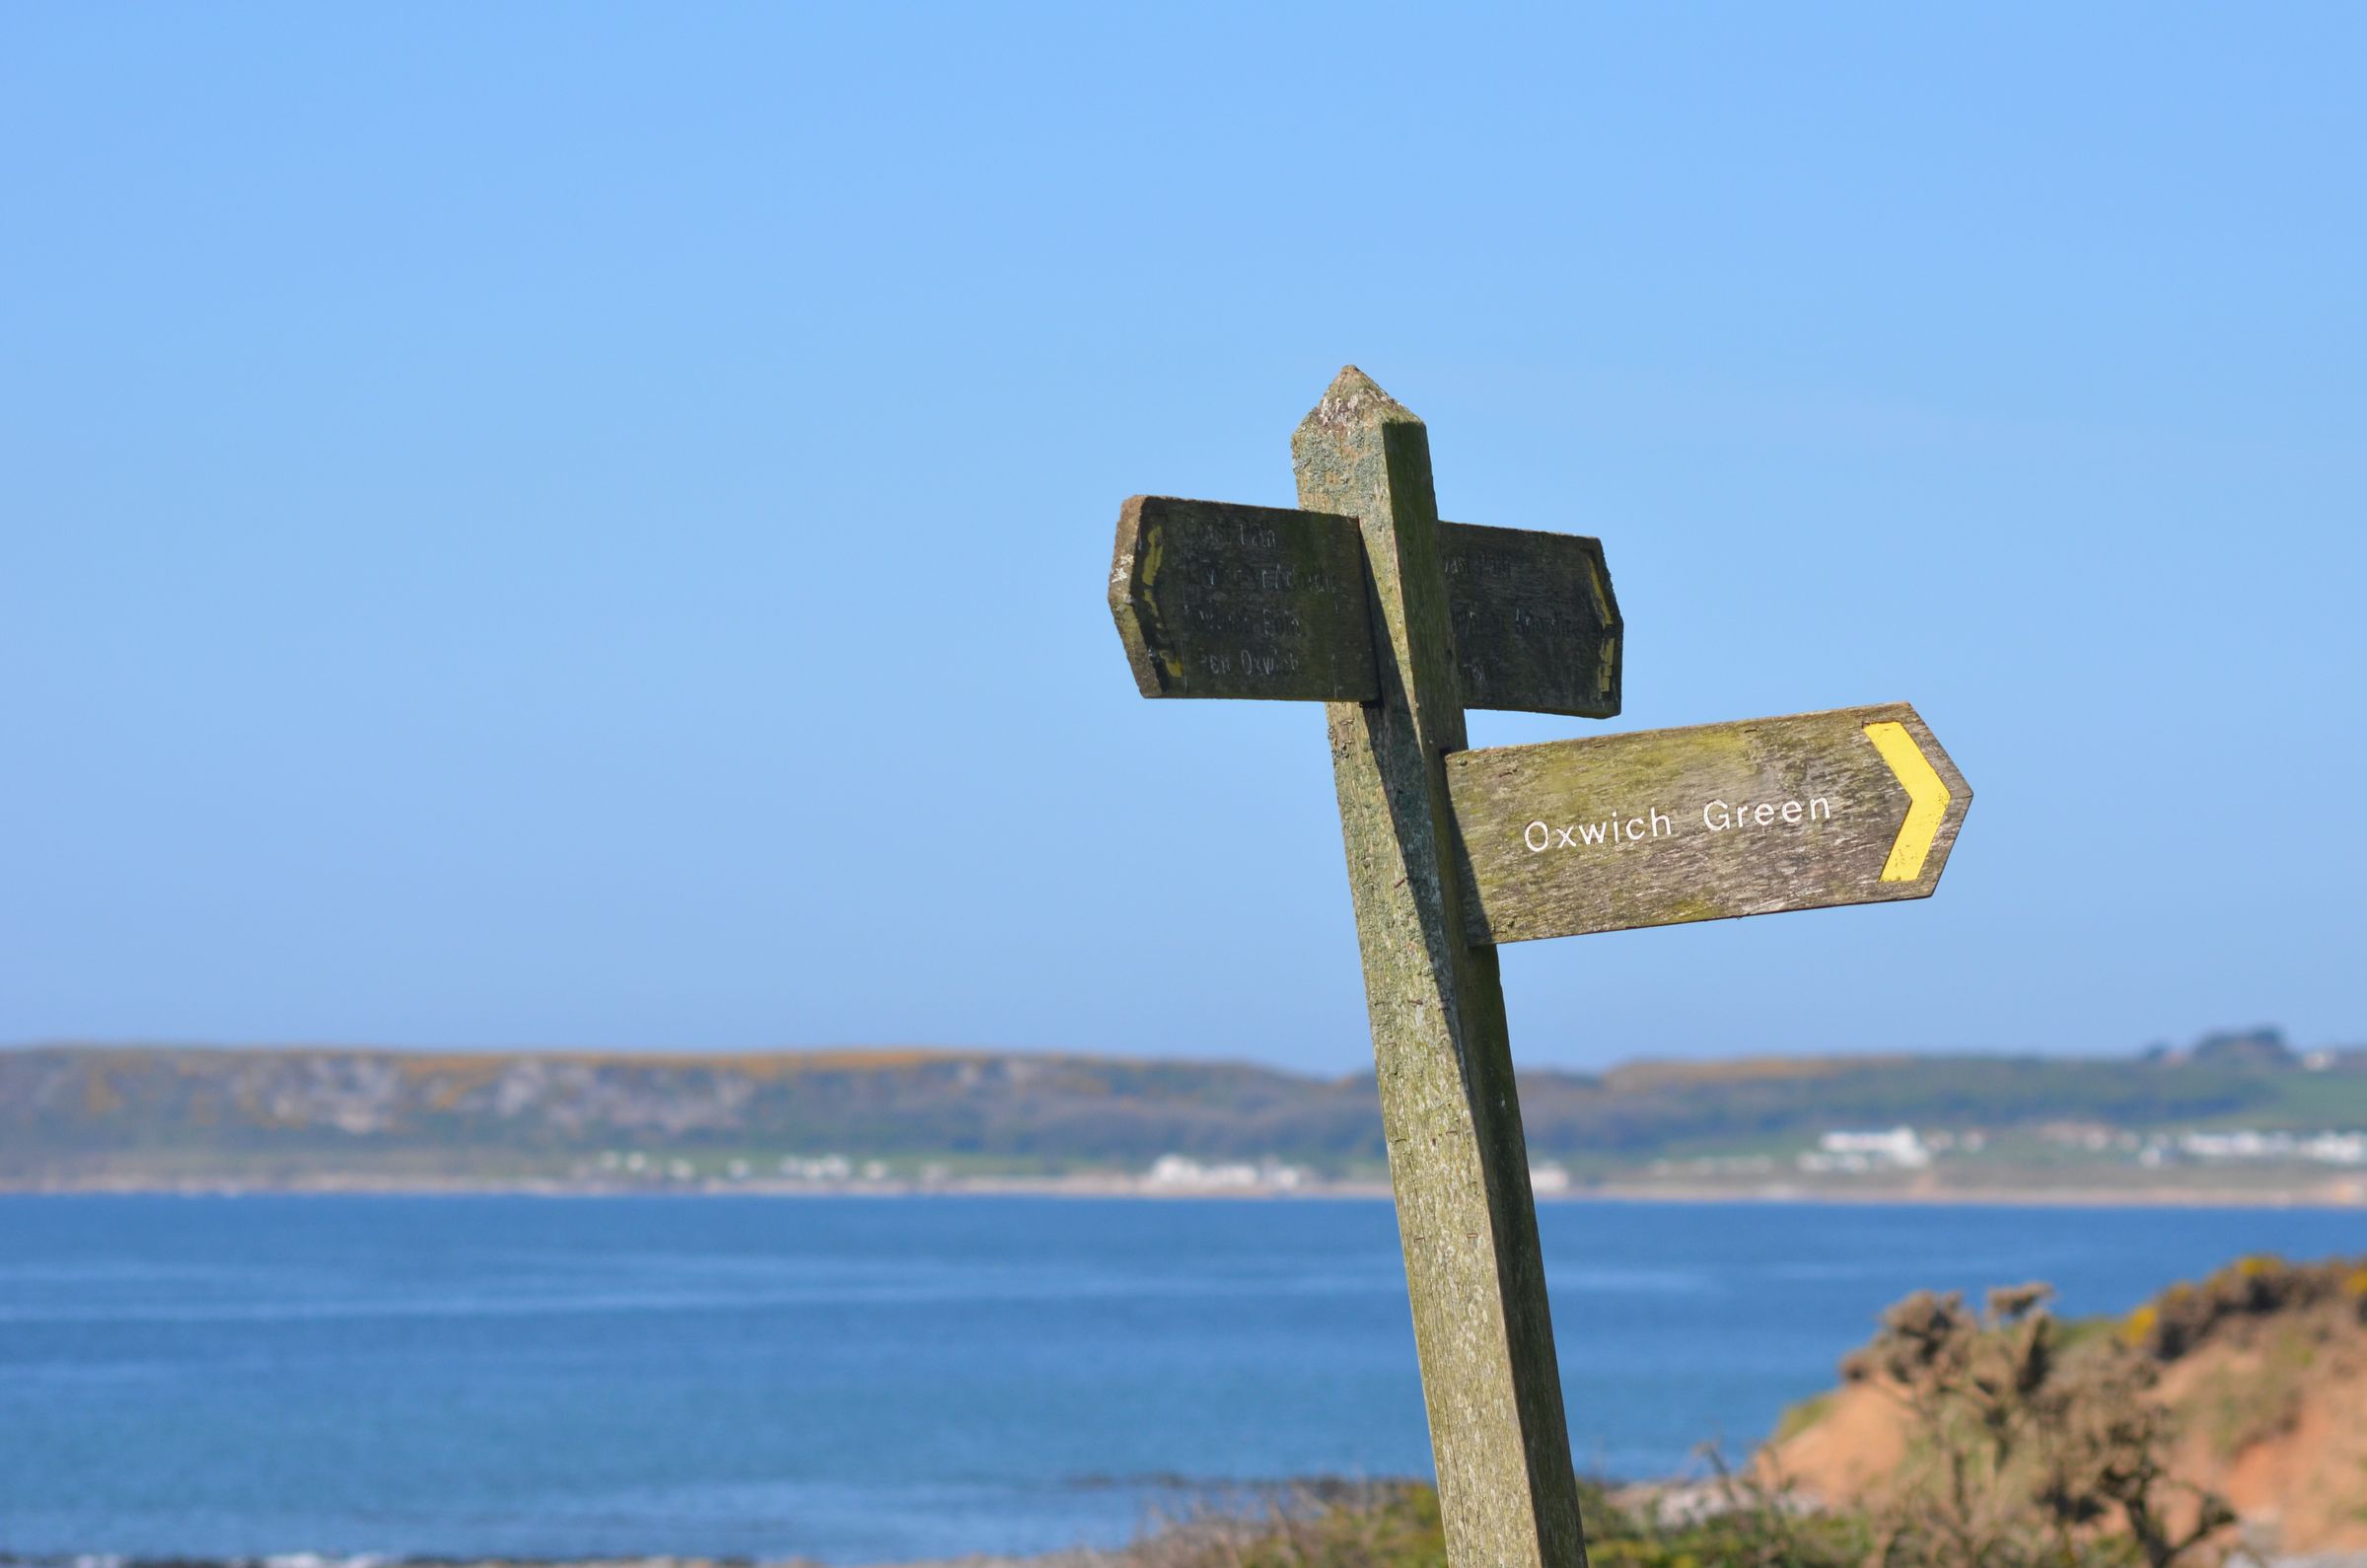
[[1703, 823], [1535, 625], [1458, 1161], [1214, 600]]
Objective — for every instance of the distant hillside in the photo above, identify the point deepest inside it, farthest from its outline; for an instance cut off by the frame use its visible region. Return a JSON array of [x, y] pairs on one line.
[[72, 1113], [88, 1107]]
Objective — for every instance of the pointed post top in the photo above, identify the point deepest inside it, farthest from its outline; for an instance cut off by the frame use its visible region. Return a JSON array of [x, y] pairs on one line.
[[1354, 399], [1340, 450]]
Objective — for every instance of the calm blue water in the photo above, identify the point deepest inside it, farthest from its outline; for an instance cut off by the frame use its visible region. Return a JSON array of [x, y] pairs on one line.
[[857, 1379]]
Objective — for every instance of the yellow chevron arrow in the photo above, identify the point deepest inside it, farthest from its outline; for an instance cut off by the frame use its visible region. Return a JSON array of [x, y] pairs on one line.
[[1927, 800]]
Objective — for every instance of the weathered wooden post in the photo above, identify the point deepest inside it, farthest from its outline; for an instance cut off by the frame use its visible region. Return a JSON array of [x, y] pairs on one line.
[[1364, 601], [1457, 1159]]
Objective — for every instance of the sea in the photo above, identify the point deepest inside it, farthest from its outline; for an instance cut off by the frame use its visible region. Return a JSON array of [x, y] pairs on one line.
[[861, 1380]]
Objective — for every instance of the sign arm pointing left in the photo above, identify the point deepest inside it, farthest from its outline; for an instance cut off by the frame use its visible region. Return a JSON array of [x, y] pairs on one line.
[[1217, 600]]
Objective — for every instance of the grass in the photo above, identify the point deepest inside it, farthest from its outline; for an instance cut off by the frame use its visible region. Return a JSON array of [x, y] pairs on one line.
[[1798, 1418], [2239, 1405], [1397, 1526]]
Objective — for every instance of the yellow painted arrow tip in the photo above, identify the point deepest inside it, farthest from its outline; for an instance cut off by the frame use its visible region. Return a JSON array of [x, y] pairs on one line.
[[1927, 800]]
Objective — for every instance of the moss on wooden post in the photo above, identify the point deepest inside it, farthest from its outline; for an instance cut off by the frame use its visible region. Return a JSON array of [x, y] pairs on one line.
[[1457, 1158]]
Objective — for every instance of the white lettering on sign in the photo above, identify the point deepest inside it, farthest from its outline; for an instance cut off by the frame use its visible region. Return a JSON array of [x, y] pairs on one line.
[[1621, 828], [1717, 817]]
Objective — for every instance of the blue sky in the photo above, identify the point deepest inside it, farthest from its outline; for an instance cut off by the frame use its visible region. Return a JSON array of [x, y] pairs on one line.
[[575, 525]]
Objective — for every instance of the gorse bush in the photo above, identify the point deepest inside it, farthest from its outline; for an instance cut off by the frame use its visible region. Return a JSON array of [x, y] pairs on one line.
[[2185, 1316], [2021, 1453]]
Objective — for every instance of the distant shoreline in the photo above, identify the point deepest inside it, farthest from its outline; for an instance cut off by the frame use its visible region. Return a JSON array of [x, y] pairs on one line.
[[2335, 1195], [2237, 1120]]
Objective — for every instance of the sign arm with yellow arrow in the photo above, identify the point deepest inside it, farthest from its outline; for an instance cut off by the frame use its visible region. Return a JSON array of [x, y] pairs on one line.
[[1711, 822]]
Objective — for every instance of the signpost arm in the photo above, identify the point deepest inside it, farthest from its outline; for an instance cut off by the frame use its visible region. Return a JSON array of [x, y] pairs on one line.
[[1457, 1157]]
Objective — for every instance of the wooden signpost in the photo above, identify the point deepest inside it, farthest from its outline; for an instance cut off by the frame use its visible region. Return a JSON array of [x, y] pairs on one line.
[[1364, 601]]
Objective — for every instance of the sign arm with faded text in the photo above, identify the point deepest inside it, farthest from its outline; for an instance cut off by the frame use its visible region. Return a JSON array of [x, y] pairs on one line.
[[1214, 600]]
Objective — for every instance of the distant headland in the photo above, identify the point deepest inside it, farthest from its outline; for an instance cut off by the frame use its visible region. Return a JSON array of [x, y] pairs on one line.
[[2238, 1116]]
